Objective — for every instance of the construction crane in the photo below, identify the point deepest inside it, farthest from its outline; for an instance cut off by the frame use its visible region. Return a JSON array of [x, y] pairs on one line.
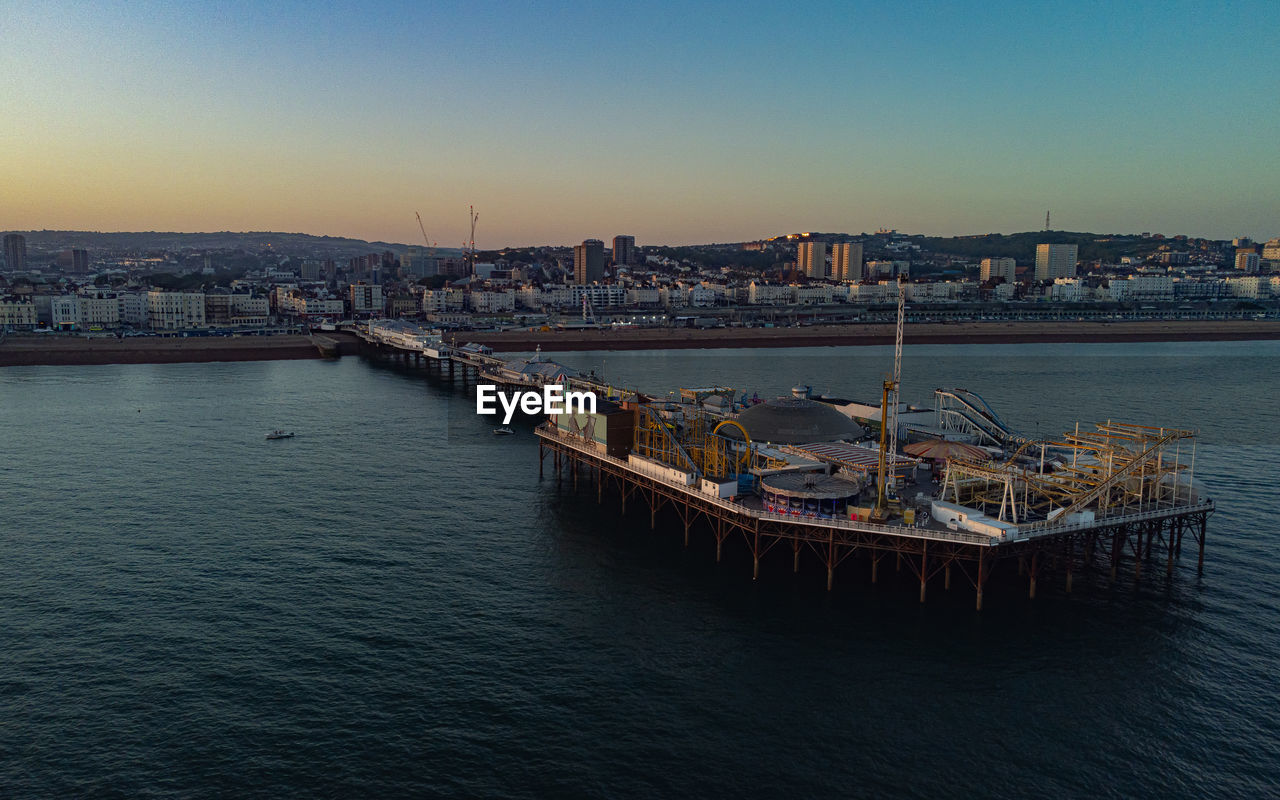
[[431, 248], [472, 250], [885, 482]]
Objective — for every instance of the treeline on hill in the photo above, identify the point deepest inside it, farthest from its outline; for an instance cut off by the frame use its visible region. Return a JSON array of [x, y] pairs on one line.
[[1022, 246], [716, 257]]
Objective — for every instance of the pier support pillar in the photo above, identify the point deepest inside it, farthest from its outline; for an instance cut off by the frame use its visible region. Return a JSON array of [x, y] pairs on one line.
[[1031, 592], [1069, 559], [755, 556], [831, 560], [1168, 568], [686, 532], [1200, 563], [1137, 561], [1115, 555], [982, 577], [653, 516], [875, 567], [946, 577], [898, 564], [795, 553], [924, 569]]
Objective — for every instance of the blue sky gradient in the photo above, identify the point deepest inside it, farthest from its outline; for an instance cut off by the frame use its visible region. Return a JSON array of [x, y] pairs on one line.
[[673, 122]]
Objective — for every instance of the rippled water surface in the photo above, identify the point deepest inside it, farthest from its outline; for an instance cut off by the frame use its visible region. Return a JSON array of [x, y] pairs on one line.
[[393, 603]]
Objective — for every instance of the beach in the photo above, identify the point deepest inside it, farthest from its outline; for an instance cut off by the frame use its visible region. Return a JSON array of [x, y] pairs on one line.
[[60, 350], [48, 349], [877, 334]]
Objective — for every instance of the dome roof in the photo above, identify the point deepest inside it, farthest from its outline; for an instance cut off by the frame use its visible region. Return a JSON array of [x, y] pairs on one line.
[[795, 420]]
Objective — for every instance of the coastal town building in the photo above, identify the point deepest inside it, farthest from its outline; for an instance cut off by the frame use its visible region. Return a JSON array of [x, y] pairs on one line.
[[811, 259], [588, 261], [365, 299], [1005, 268], [846, 262], [1247, 261], [168, 311], [15, 252], [17, 313], [1056, 261], [624, 250]]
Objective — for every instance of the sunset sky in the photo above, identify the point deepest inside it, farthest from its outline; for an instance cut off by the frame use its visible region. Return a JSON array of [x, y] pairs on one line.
[[674, 122]]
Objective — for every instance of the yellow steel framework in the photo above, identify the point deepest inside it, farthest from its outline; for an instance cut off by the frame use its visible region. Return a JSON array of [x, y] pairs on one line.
[[1117, 467]]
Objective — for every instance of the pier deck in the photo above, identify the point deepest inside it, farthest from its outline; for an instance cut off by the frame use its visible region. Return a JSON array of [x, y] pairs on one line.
[[929, 550]]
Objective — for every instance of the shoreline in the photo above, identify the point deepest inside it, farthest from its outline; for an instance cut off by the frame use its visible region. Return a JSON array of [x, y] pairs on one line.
[[32, 351], [38, 350], [881, 334]]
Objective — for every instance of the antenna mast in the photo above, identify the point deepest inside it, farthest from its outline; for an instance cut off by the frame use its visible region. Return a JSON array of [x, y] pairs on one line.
[[1046, 220], [474, 217]]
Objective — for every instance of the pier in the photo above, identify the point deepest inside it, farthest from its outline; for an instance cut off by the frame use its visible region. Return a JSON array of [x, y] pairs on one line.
[[1113, 497], [933, 553]]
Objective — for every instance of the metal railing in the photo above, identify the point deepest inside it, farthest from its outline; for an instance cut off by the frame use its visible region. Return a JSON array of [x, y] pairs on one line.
[[576, 443]]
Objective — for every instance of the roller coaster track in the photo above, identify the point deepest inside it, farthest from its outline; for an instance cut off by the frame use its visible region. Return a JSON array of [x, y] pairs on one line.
[[973, 413]]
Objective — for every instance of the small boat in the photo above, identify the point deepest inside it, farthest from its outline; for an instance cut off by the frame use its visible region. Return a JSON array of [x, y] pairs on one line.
[[280, 435], [503, 431]]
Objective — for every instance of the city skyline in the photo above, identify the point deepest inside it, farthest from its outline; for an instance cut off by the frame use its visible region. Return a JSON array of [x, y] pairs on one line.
[[684, 130]]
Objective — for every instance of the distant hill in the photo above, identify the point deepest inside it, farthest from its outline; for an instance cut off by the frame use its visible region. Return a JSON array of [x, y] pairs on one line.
[[1022, 246], [250, 241]]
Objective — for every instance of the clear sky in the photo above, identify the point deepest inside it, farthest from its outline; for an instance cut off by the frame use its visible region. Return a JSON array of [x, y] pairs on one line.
[[676, 122]]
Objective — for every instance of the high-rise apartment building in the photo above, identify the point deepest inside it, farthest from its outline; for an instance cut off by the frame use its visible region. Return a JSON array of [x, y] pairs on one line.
[[811, 259], [1056, 261], [998, 268], [15, 251], [1247, 260], [846, 262], [588, 261], [74, 261], [624, 250]]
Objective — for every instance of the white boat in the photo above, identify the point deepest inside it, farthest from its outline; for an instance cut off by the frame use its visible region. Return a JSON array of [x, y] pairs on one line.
[[280, 435], [503, 431]]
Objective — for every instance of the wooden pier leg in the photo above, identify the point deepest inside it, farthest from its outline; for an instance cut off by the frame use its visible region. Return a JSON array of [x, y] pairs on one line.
[[653, 516], [1115, 555], [600, 491], [946, 577], [686, 531], [795, 553], [875, 566], [831, 560], [1031, 592], [755, 555], [541, 453], [982, 578], [1168, 569], [1069, 559], [573, 468], [924, 568], [1200, 564]]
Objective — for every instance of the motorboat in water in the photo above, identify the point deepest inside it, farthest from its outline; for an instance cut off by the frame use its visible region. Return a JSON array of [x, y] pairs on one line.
[[503, 431], [280, 435]]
